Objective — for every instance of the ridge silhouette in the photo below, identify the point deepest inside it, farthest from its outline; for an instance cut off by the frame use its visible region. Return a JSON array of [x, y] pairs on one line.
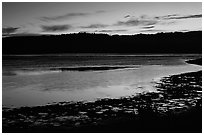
[[82, 42]]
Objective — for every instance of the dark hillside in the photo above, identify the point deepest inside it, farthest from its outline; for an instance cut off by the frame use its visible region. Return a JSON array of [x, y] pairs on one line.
[[177, 42]]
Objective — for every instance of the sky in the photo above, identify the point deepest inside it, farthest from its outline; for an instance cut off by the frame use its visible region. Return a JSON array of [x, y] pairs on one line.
[[20, 18]]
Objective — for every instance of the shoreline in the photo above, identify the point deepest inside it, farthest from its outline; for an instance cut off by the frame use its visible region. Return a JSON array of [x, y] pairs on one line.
[[177, 101], [195, 61]]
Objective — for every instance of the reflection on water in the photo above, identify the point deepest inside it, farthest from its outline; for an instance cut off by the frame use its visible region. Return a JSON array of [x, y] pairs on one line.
[[178, 97], [32, 90], [38, 80]]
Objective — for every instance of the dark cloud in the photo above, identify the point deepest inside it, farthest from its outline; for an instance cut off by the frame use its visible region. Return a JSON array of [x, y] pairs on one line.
[[127, 16], [185, 17], [184, 30], [63, 17], [177, 16], [68, 16], [168, 22], [122, 30], [165, 16], [137, 22], [55, 28], [100, 11], [9, 30], [95, 26], [145, 20], [148, 27], [24, 34]]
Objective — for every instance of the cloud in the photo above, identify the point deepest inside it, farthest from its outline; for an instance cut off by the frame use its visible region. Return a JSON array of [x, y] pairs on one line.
[[24, 34], [165, 16], [100, 11], [95, 26], [68, 16], [122, 30], [148, 27], [63, 17], [177, 16], [137, 22], [184, 30], [169, 22], [186, 17], [9, 30], [145, 20], [55, 28], [127, 16]]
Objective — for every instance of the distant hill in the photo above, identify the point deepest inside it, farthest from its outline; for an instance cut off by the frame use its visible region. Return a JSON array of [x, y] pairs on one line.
[[177, 42]]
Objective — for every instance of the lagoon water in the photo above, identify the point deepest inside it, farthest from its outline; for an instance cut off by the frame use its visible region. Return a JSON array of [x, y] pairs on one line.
[[30, 80]]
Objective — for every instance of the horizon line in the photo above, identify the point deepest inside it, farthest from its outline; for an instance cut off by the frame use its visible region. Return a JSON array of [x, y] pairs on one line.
[[81, 32]]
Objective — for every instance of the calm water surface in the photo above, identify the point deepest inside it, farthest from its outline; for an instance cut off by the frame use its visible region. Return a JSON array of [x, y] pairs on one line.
[[30, 80]]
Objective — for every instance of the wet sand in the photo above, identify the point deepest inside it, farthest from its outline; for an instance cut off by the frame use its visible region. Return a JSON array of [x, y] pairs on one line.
[[175, 107]]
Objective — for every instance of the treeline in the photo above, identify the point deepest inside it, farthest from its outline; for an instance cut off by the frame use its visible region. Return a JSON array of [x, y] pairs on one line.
[[177, 42]]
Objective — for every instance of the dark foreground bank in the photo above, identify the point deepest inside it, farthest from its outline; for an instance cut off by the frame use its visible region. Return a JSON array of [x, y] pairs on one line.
[[175, 107]]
